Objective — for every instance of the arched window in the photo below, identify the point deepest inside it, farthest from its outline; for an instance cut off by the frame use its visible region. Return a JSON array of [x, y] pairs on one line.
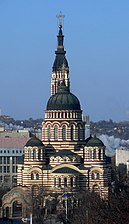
[[95, 175], [55, 132], [99, 154], [90, 154], [16, 209], [72, 132], [94, 154], [30, 154], [34, 154], [32, 176], [65, 182], [59, 182], [71, 182], [39, 153], [64, 132], [37, 176], [79, 132], [49, 132], [54, 182]]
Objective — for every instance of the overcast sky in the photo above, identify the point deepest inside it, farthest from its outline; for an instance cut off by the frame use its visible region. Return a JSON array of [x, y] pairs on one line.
[[97, 44]]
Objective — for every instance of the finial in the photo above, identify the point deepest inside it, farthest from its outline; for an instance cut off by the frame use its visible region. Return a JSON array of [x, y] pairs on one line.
[[60, 17]]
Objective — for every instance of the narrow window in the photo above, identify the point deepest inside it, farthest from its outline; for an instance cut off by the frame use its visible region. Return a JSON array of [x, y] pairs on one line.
[[65, 182], [30, 154], [55, 132], [79, 131], [59, 182], [39, 154], [94, 154], [99, 153], [49, 132], [90, 154], [71, 182], [54, 182], [34, 154], [64, 132], [32, 176], [37, 176], [72, 133]]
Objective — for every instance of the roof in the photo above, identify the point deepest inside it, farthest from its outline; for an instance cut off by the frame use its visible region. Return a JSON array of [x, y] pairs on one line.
[[63, 100], [13, 142], [34, 141], [60, 60], [60, 63], [94, 141]]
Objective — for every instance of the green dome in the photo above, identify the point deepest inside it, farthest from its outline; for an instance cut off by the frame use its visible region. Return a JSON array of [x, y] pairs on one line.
[[94, 141], [34, 141], [63, 100]]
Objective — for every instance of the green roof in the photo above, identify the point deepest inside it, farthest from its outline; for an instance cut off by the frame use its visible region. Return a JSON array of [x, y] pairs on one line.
[[94, 141], [63, 100], [34, 141]]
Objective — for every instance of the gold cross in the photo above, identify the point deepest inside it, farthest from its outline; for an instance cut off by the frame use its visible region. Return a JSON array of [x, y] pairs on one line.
[[60, 17]]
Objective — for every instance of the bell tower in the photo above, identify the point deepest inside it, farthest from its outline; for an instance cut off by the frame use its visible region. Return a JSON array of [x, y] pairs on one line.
[[60, 69]]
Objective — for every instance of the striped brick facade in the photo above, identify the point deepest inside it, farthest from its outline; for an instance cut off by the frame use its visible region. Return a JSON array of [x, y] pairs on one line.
[[64, 161]]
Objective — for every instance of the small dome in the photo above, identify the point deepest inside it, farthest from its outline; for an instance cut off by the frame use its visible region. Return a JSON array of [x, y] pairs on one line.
[[94, 141], [88, 138], [63, 100], [34, 141]]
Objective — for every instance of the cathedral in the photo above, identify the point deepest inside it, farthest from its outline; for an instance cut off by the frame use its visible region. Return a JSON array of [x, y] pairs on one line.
[[64, 161]]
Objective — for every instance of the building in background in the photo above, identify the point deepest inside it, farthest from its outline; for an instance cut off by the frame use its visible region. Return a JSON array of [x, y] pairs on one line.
[[122, 161], [11, 153]]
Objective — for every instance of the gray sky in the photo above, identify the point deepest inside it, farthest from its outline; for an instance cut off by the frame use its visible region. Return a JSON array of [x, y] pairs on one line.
[[97, 45]]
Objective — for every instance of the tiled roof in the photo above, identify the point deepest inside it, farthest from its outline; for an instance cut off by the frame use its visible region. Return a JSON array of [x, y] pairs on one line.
[[13, 142]]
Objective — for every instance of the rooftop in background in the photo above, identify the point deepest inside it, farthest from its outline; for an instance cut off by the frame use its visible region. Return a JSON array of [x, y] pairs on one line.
[[14, 142]]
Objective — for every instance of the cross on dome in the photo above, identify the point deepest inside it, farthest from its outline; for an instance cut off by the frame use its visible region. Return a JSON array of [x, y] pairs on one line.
[[60, 17]]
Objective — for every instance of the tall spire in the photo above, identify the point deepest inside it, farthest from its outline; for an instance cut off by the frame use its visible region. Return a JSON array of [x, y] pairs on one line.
[[60, 69], [60, 36]]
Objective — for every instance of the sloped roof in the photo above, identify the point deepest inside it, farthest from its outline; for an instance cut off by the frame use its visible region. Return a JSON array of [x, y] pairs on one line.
[[34, 141], [16, 142]]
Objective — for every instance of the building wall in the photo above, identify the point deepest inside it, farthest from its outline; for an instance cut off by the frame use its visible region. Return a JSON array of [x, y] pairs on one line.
[[122, 156], [8, 166]]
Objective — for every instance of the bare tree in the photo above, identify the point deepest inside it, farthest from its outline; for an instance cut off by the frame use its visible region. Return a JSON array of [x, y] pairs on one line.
[[94, 210]]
